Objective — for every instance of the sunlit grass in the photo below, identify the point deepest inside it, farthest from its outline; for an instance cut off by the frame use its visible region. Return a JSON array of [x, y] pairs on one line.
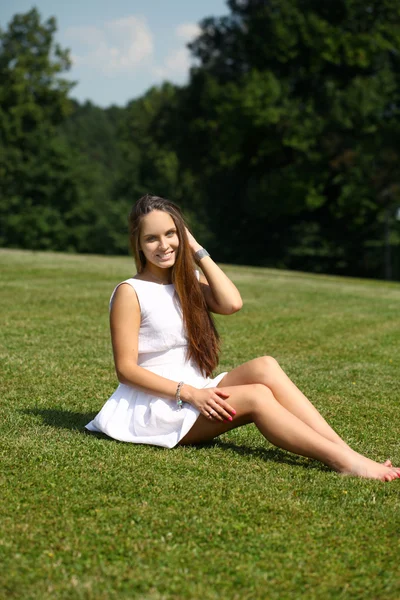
[[87, 517]]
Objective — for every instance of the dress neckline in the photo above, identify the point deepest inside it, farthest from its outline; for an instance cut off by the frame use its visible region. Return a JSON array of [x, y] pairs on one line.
[[153, 282]]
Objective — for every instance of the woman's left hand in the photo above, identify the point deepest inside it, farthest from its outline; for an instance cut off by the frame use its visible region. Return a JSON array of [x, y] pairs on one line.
[[211, 402], [193, 243]]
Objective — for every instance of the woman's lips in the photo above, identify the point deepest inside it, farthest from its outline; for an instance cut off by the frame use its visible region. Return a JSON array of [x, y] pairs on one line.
[[165, 256]]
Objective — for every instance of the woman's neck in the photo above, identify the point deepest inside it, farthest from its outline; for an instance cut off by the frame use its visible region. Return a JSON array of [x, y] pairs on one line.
[[162, 276]]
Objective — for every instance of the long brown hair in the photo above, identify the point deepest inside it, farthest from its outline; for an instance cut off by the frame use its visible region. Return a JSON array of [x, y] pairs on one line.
[[203, 338]]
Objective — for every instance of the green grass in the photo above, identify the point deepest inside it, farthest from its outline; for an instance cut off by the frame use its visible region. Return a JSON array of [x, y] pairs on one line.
[[87, 517]]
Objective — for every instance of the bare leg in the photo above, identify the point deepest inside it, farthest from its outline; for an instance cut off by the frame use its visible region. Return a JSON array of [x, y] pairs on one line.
[[266, 370], [256, 403]]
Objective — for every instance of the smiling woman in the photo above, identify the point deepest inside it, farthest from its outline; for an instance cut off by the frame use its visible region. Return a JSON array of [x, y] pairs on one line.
[[166, 347], [159, 241]]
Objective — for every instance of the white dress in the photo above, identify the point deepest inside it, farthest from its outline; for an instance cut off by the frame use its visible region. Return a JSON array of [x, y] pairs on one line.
[[131, 415]]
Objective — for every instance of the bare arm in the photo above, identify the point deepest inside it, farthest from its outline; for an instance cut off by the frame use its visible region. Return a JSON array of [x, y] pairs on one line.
[[221, 295], [125, 325]]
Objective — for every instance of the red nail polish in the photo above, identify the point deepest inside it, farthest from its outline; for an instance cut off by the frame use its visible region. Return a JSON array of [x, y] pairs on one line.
[[234, 412]]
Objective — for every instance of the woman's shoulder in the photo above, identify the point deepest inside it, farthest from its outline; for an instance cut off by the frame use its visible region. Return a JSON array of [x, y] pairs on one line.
[[126, 284], [125, 289]]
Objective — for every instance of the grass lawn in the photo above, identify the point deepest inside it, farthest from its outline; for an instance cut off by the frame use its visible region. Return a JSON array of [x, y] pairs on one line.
[[88, 517]]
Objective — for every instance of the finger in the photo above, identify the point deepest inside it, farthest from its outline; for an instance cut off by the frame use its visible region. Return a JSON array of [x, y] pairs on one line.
[[221, 393], [222, 413], [208, 411], [230, 411], [216, 414], [214, 409], [211, 414]]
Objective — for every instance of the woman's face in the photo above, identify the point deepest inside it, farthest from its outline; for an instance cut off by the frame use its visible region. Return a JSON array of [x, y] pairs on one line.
[[158, 239]]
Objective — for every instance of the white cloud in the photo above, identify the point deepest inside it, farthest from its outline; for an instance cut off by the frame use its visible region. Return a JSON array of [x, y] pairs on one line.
[[89, 35], [177, 63], [121, 45], [125, 50], [188, 31]]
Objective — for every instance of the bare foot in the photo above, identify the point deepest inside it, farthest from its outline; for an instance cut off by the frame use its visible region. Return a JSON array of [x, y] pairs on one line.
[[364, 467], [387, 463]]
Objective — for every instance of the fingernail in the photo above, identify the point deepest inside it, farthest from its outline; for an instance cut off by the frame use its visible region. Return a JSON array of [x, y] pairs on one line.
[[234, 412], [230, 418]]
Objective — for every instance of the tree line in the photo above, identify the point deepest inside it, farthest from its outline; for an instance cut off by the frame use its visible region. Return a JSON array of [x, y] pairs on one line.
[[283, 148]]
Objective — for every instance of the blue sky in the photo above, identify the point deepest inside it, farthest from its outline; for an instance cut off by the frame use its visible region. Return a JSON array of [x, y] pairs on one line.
[[120, 48]]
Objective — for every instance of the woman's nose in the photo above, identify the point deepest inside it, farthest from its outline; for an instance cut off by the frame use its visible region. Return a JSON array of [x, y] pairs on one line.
[[163, 244]]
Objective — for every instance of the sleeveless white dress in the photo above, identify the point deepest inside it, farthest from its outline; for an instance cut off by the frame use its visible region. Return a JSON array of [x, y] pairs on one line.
[[131, 415]]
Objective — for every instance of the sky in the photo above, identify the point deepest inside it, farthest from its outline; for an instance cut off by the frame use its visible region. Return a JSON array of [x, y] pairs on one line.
[[120, 48]]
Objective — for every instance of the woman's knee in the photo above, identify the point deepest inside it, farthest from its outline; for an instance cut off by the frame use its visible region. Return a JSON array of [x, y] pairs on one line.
[[265, 368], [259, 394], [269, 362]]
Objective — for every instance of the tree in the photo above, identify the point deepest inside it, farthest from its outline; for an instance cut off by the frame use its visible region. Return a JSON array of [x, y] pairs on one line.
[[99, 220], [36, 182], [150, 138], [297, 103]]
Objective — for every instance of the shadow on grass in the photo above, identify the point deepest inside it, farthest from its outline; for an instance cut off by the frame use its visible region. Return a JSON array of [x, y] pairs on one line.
[[272, 454], [75, 421], [66, 419], [63, 419]]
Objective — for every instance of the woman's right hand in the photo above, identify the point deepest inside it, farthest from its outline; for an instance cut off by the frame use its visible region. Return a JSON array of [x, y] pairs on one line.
[[211, 402]]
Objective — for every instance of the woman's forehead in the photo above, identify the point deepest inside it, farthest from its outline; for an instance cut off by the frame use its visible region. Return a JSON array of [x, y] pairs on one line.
[[158, 221]]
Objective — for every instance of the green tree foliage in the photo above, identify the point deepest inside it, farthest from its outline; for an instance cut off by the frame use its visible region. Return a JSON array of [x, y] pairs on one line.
[[100, 219], [283, 149], [59, 161], [297, 100], [36, 186], [151, 137]]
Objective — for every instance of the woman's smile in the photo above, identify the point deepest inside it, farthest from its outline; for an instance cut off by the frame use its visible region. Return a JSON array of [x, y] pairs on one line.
[[166, 255]]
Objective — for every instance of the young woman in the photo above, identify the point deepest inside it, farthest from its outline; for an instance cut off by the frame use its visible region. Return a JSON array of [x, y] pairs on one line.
[[166, 347]]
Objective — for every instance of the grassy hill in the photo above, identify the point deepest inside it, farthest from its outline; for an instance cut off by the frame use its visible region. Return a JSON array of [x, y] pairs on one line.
[[87, 517]]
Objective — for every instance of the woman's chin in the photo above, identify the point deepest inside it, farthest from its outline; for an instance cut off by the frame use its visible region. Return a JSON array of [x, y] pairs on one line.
[[163, 265]]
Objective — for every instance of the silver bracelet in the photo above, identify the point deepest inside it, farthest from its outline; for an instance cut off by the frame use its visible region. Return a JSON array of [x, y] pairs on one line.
[[179, 402], [200, 254]]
